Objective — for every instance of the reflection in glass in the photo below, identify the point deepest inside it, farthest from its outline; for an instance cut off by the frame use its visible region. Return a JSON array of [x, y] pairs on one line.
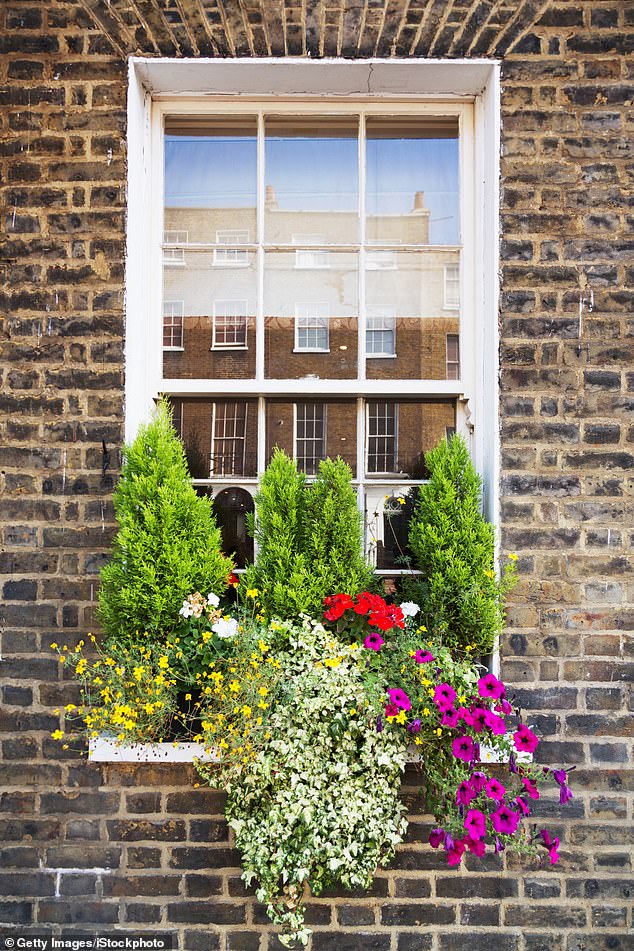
[[210, 181], [231, 508], [310, 327], [400, 432], [409, 317], [412, 180], [311, 175], [311, 431], [209, 319], [387, 526], [220, 436]]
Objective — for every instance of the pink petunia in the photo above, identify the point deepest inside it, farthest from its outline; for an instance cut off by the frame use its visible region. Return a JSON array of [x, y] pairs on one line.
[[399, 698], [436, 837], [552, 845], [523, 806], [478, 781], [505, 821], [479, 719], [530, 787], [450, 718], [454, 855], [444, 696], [525, 740], [495, 790], [391, 710], [490, 686], [465, 793], [374, 642], [475, 846], [423, 657], [475, 823], [495, 724], [464, 748]]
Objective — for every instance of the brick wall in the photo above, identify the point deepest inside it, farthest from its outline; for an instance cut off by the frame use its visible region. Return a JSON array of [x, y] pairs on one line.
[[138, 846]]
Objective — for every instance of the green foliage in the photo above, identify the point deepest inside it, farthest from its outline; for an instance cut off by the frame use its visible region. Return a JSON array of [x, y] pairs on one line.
[[309, 538], [454, 547], [167, 544]]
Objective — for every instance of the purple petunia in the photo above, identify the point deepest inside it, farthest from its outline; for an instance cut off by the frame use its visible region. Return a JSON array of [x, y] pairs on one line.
[[479, 719], [464, 748], [495, 790], [436, 837], [414, 726], [490, 686], [551, 844], [450, 718], [444, 696], [454, 855], [505, 821], [423, 657], [523, 806], [465, 793], [478, 781], [530, 787], [495, 724]]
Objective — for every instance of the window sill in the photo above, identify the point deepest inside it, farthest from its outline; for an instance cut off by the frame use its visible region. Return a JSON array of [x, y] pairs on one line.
[[173, 349], [220, 349], [310, 350], [380, 356]]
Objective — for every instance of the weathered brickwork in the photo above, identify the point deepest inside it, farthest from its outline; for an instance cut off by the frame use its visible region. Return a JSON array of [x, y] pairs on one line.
[[139, 847]]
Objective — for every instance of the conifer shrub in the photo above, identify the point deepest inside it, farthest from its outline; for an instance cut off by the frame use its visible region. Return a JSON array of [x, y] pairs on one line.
[[167, 544], [453, 546], [309, 538]]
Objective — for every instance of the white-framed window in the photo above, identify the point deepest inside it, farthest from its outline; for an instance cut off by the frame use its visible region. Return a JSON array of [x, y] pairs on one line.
[[174, 257], [312, 326], [310, 436], [229, 438], [453, 356], [307, 258], [380, 335], [173, 318], [229, 325], [231, 256], [452, 287], [381, 452], [334, 195]]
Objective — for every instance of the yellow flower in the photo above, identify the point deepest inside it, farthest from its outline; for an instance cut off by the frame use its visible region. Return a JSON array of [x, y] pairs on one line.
[[57, 734], [54, 646], [188, 696], [512, 557], [69, 707], [263, 691], [234, 686], [62, 658], [489, 574], [252, 592], [163, 662], [401, 500], [332, 661], [110, 662]]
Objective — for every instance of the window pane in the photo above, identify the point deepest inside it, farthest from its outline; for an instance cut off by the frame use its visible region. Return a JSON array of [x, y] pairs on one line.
[[231, 507], [388, 514], [407, 303], [216, 306], [398, 433], [310, 431], [210, 177], [310, 326], [412, 180], [311, 173], [220, 436]]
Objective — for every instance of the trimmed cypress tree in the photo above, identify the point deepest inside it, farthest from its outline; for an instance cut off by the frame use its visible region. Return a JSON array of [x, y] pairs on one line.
[[454, 548], [309, 538], [167, 545]]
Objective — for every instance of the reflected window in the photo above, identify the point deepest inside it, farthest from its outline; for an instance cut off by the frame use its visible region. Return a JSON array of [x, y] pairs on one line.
[[394, 551], [174, 256], [173, 311], [311, 327], [380, 340], [384, 259], [310, 436], [452, 287], [381, 451], [230, 324], [453, 357], [231, 508], [307, 258], [231, 257], [228, 448]]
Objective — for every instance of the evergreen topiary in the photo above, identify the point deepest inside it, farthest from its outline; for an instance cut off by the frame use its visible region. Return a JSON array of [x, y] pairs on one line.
[[309, 538], [167, 545], [453, 547]]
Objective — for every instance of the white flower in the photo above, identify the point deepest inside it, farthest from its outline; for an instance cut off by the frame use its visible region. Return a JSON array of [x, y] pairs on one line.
[[186, 610], [225, 627], [409, 609], [213, 600]]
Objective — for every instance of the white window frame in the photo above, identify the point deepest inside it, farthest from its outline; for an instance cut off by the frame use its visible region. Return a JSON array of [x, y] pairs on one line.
[[174, 348], [384, 259], [216, 343], [231, 256], [317, 318], [451, 282], [174, 257], [468, 89], [388, 317], [304, 439], [373, 474], [233, 438], [452, 363], [307, 259]]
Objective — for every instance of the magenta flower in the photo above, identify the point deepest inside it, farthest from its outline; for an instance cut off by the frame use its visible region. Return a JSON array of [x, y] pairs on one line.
[[475, 846], [436, 837], [464, 748], [399, 698], [374, 642], [525, 740], [454, 855], [490, 686], [444, 696], [552, 845], [523, 806], [504, 707], [476, 824], [465, 793], [495, 790], [565, 792], [478, 781], [391, 710], [465, 715], [450, 718], [505, 821], [495, 724], [479, 719], [530, 787], [423, 657]]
